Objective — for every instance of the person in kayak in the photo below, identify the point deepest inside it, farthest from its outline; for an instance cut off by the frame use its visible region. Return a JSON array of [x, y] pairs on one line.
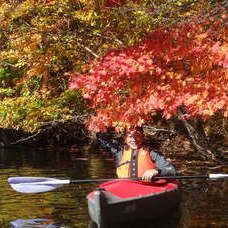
[[134, 159]]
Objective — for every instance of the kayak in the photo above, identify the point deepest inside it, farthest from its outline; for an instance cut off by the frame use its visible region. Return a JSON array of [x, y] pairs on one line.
[[127, 200]]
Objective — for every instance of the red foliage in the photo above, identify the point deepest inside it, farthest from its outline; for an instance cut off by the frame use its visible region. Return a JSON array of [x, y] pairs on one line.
[[186, 65], [116, 3], [47, 1]]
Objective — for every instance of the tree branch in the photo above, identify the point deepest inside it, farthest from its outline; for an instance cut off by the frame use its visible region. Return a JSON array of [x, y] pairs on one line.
[[198, 142], [90, 51]]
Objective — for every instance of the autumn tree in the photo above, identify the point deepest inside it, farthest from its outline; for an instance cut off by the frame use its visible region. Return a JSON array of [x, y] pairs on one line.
[[39, 41], [179, 69]]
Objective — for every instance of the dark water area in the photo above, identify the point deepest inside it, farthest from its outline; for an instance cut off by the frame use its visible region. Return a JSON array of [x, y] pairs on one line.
[[204, 202]]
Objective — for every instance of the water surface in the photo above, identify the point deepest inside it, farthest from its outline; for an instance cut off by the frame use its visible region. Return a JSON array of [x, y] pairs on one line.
[[204, 202]]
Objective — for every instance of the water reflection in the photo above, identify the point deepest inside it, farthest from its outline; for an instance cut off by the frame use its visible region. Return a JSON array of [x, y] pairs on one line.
[[67, 204], [38, 222], [204, 203]]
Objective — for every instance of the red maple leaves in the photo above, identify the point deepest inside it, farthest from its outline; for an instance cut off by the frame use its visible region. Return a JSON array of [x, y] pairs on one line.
[[47, 1], [116, 3], [184, 65]]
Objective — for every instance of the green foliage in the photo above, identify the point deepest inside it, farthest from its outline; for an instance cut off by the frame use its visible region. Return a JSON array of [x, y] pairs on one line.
[[7, 74], [6, 92], [32, 112]]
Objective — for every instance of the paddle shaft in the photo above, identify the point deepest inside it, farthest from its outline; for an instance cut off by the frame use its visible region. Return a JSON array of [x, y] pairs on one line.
[[137, 179]]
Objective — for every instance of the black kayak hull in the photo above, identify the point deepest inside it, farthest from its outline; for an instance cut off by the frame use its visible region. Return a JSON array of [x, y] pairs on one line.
[[106, 208]]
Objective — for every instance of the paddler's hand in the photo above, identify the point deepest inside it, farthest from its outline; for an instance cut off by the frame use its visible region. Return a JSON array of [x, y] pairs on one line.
[[149, 174]]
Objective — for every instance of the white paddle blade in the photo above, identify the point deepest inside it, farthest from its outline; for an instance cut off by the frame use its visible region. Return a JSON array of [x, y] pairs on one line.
[[36, 222], [218, 176], [35, 184]]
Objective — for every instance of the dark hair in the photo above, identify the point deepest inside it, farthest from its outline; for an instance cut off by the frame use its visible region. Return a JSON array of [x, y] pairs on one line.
[[137, 128]]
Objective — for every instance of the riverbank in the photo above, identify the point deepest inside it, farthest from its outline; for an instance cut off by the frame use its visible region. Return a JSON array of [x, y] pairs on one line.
[[171, 140], [54, 133]]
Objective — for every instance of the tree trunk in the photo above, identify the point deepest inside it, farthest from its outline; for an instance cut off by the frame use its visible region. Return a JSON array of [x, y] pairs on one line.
[[3, 139], [196, 134]]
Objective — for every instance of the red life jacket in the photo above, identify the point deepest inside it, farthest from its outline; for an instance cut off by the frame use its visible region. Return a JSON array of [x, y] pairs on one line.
[[134, 166]]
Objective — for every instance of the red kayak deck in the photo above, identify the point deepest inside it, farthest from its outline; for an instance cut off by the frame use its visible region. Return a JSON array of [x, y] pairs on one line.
[[131, 200], [129, 189]]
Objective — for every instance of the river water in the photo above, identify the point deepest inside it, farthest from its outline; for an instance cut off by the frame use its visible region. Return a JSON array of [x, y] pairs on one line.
[[204, 202]]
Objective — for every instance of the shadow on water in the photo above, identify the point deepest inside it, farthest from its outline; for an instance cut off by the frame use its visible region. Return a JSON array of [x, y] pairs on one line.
[[168, 221]]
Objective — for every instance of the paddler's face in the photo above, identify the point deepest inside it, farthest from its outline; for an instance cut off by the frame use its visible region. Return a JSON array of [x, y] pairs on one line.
[[134, 139]]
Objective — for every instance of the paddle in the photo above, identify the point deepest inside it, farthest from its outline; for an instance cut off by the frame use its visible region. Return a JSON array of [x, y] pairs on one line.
[[42, 184]]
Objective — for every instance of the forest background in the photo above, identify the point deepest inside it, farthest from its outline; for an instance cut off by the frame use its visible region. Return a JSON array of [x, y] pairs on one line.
[[160, 63]]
